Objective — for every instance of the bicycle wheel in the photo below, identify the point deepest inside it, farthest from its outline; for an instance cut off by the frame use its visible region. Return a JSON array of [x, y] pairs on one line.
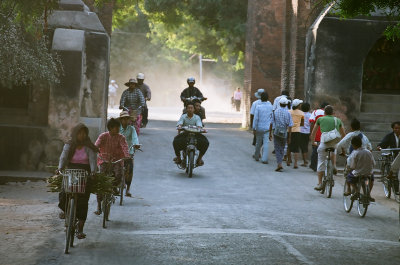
[[385, 181], [191, 163], [69, 232], [121, 190], [104, 209], [363, 199], [329, 179], [347, 201]]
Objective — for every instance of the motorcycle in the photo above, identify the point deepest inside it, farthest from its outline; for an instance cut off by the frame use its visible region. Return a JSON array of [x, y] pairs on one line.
[[191, 153]]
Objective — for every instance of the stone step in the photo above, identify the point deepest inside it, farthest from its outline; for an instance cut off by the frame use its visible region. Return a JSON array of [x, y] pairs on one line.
[[375, 127], [380, 98], [388, 107], [378, 117], [375, 136]]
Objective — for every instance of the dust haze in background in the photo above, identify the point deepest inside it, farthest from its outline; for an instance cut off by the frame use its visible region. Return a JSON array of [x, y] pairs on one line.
[[167, 79]]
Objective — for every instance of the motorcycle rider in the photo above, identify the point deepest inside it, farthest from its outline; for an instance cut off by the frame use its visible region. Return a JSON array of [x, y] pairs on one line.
[[191, 91], [180, 141], [147, 96]]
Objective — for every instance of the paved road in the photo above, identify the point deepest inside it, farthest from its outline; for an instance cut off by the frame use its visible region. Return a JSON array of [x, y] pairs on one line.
[[233, 211]]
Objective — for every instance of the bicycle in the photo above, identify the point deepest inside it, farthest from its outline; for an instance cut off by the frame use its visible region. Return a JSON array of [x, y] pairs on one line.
[[109, 198], [361, 194], [74, 183], [327, 180], [389, 183], [128, 176]]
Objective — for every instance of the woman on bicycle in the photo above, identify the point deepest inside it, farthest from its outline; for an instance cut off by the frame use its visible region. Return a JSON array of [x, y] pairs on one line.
[[78, 153], [112, 146], [133, 141]]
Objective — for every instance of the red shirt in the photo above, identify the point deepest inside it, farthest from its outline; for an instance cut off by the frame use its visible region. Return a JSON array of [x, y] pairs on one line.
[[111, 147], [315, 115]]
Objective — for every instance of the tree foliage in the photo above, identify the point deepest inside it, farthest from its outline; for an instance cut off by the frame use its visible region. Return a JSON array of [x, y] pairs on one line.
[[353, 8], [24, 48]]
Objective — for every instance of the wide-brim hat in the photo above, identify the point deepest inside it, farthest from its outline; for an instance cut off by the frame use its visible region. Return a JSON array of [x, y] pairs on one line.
[[132, 80], [259, 92], [124, 114]]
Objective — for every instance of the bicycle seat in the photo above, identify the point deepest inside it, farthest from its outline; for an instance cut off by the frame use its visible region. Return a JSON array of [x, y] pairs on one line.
[[330, 149]]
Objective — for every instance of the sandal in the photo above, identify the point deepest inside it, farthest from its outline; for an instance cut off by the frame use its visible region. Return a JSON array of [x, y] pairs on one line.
[[61, 215], [80, 235], [279, 169], [98, 212], [128, 194], [200, 163]]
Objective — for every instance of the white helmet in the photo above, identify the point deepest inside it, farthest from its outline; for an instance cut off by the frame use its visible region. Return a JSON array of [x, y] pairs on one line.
[[112, 81], [140, 76]]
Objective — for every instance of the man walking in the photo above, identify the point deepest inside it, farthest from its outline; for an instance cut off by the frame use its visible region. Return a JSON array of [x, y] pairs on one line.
[[261, 127], [237, 96], [282, 123]]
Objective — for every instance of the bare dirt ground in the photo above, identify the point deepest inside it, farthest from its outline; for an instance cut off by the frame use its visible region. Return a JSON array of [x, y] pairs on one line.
[[28, 214]]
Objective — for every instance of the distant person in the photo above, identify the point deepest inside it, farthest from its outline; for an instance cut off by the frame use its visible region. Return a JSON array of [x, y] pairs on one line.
[[253, 109], [112, 93], [190, 92], [261, 126], [305, 133], [282, 128], [295, 141], [315, 115], [237, 96], [132, 99], [147, 97]]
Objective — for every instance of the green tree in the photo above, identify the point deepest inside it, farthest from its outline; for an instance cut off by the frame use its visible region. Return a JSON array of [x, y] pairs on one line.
[[24, 48], [353, 8]]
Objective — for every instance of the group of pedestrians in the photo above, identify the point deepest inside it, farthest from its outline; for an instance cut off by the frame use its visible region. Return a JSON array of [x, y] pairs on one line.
[[291, 126]]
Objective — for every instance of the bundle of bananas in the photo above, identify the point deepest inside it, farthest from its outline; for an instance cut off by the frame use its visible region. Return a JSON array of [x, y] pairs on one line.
[[55, 183], [102, 183]]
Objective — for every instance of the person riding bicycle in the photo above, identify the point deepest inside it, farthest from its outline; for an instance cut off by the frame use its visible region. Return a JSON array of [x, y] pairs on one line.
[[394, 173], [112, 146], [180, 141], [344, 146], [191, 91], [326, 124], [361, 163], [78, 153], [391, 140], [133, 141], [147, 97], [133, 99]]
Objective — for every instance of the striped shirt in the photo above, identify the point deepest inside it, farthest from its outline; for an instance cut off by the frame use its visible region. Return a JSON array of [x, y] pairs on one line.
[[132, 99], [111, 147]]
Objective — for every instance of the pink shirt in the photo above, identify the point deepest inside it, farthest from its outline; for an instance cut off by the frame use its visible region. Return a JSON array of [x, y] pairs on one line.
[[80, 157]]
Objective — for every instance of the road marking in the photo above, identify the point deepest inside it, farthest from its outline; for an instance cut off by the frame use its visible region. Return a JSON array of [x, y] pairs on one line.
[[292, 250], [266, 233]]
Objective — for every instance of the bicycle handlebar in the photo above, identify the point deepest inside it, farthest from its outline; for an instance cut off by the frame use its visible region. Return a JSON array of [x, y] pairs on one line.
[[390, 149], [113, 162]]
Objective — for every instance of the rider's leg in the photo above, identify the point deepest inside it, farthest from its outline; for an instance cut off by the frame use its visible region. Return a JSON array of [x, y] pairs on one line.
[[129, 176], [202, 145], [321, 164], [179, 144], [333, 158]]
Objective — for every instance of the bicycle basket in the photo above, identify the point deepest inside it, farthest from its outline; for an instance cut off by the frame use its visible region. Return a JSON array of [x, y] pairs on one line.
[[74, 180]]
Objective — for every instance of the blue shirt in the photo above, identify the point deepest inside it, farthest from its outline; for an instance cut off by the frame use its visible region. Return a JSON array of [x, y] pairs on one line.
[[262, 116], [130, 136]]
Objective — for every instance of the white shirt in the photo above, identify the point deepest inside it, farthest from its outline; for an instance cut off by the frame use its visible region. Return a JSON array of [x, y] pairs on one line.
[[276, 102], [397, 140], [346, 141], [112, 89], [254, 106], [306, 128]]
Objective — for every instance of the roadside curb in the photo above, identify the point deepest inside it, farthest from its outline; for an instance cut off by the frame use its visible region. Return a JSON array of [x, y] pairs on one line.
[[22, 176]]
